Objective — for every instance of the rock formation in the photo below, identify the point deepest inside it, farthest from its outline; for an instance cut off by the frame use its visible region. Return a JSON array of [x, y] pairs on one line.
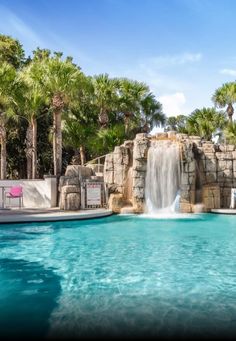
[[208, 172]]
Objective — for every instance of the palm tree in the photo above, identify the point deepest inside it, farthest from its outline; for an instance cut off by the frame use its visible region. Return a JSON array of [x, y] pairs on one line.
[[131, 94], [107, 138], [61, 79], [226, 96], [152, 113], [204, 122], [105, 97], [176, 123], [32, 104], [230, 133], [8, 95]]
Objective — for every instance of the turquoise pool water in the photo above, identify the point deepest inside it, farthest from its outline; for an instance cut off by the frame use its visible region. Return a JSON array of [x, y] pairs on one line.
[[119, 275]]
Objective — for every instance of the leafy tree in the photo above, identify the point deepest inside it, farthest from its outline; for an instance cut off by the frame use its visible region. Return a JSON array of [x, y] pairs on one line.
[[11, 51], [226, 96], [131, 94], [204, 122], [152, 114], [177, 123], [107, 138]]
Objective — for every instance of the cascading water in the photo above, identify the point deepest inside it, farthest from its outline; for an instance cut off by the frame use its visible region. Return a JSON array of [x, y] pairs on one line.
[[163, 177]]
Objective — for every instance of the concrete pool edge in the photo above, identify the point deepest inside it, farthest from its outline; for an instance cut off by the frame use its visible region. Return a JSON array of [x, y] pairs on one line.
[[9, 218], [229, 211]]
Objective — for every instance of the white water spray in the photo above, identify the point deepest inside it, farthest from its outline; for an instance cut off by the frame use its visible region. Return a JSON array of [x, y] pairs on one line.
[[163, 177]]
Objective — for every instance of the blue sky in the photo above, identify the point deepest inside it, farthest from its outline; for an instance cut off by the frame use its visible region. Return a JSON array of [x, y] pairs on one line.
[[183, 49]]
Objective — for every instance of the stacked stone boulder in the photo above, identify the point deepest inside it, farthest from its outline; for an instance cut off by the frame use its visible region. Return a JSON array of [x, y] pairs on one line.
[[116, 168], [188, 172], [69, 187], [140, 152]]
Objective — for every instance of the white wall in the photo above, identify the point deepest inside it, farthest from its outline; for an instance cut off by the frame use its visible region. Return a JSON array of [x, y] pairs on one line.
[[36, 193]]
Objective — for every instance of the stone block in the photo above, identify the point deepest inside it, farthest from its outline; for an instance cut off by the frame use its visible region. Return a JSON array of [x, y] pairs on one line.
[[185, 208], [210, 165], [109, 177], [79, 171], [138, 192], [138, 205], [185, 179], [116, 202], [171, 134], [224, 155], [185, 196], [140, 136], [210, 177], [230, 147], [121, 156], [225, 197], [140, 149], [70, 201], [161, 136], [67, 180], [139, 182], [211, 197], [70, 189], [140, 165]]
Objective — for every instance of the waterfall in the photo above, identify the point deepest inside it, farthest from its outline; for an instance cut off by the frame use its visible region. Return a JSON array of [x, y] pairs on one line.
[[163, 177]]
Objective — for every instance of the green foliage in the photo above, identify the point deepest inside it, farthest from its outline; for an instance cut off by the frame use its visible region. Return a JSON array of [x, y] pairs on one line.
[[151, 113], [98, 112], [204, 122], [230, 133], [226, 96], [177, 123], [11, 51], [106, 139]]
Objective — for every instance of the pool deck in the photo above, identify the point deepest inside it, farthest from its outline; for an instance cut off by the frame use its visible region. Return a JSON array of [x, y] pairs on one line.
[[224, 211], [47, 215]]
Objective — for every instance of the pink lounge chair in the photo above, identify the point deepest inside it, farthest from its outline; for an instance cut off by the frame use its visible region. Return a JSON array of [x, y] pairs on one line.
[[15, 192]]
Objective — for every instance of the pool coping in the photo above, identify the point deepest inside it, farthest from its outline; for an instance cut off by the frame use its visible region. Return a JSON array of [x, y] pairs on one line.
[[14, 218], [231, 211]]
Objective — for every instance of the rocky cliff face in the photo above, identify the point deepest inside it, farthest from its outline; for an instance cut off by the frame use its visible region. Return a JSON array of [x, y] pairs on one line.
[[208, 172]]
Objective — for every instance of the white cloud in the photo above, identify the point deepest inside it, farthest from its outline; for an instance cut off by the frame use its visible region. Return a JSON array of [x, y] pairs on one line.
[[173, 104], [228, 72], [178, 59]]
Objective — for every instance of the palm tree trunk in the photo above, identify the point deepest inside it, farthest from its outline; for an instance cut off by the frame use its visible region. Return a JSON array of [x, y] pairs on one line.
[[103, 118], [82, 155], [34, 148], [3, 142], [28, 150], [57, 143], [3, 157], [128, 115], [29, 167], [230, 112], [126, 119]]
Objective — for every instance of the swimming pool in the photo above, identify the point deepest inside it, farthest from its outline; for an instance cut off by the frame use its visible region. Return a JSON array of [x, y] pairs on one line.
[[120, 275]]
